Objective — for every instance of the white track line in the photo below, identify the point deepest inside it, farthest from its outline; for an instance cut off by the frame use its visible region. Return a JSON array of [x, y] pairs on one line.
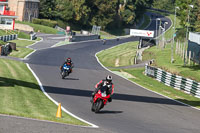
[[138, 84], [65, 110]]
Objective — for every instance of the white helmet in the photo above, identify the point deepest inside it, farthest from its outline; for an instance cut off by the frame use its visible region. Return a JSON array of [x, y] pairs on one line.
[[109, 78]]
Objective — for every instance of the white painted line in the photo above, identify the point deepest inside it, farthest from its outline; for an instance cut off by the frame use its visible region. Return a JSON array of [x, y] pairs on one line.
[[66, 111], [25, 118], [29, 54], [42, 88], [35, 43], [57, 38], [138, 84]]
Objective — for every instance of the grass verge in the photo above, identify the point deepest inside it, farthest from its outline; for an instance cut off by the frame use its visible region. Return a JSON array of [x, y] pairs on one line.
[[21, 51], [20, 95], [40, 28], [122, 55], [108, 57]]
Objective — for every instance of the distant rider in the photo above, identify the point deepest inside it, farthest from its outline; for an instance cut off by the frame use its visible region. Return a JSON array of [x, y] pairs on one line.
[[68, 62], [105, 82]]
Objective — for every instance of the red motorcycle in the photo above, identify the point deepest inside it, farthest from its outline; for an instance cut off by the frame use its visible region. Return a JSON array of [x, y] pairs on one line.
[[100, 99]]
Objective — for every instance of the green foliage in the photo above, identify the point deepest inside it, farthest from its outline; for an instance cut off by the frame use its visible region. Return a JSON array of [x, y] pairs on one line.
[[85, 13], [65, 10], [186, 11], [47, 9], [45, 22], [167, 5], [197, 14]]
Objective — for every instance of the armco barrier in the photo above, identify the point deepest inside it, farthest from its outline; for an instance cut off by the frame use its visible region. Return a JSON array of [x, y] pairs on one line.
[[33, 36], [84, 38], [187, 85], [8, 37]]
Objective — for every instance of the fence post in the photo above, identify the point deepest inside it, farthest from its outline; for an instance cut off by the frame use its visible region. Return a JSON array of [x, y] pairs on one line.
[[189, 57]]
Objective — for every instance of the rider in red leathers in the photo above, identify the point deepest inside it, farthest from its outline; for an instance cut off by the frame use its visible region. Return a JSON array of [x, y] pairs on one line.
[[105, 82]]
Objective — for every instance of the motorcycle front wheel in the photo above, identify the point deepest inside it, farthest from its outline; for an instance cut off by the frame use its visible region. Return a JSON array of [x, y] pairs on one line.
[[98, 106], [63, 74]]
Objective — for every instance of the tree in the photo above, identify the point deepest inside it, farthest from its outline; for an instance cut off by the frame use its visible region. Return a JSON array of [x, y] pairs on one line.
[[185, 10], [65, 10], [82, 11], [103, 12], [197, 14], [47, 9], [167, 5]]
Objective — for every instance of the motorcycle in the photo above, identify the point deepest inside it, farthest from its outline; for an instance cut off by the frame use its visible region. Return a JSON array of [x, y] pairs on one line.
[[100, 99], [65, 71]]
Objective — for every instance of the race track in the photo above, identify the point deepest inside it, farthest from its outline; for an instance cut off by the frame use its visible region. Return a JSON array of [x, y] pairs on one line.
[[133, 110]]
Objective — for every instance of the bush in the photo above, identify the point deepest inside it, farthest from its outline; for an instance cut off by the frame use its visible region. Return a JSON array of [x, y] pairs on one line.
[[45, 22], [62, 24]]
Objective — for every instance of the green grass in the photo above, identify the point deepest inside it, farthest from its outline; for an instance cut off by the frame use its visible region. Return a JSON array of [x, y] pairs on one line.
[[40, 28], [108, 57], [164, 61], [156, 86], [7, 32], [20, 34], [21, 51], [2, 43], [106, 35], [20, 95], [23, 35], [22, 43], [124, 53]]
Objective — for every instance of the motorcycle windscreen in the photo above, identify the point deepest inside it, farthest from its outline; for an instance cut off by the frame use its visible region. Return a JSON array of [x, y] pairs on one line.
[[104, 89]]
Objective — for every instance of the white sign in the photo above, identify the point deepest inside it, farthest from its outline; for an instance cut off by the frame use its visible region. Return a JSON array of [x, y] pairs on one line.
[[194, 37], [144, 33]]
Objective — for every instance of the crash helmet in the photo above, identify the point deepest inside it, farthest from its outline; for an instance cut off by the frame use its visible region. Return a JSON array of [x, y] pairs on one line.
[[68, 60], [109, 78]]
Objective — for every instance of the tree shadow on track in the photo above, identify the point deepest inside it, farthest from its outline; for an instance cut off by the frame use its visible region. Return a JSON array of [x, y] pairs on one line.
[[70, 79], [109, 112], [116, 96], [8, 82]]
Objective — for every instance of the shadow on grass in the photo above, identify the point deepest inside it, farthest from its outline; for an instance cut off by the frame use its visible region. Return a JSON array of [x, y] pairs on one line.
[[193, 103], [193, 68], [8, 82]]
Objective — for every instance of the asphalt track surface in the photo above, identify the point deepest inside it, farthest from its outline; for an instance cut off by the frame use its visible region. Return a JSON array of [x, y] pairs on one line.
[[134, 109]]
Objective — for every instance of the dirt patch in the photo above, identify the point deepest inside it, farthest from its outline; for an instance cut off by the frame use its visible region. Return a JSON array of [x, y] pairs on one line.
[[117, 62], [127, 75]]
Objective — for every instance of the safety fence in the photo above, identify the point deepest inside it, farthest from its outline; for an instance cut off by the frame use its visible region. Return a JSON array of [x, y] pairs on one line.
[[187, 85], [8, 37]]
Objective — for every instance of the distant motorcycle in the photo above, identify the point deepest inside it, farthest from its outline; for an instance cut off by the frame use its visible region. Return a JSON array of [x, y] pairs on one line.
[[104, 41], [100, 99], [65, 71]]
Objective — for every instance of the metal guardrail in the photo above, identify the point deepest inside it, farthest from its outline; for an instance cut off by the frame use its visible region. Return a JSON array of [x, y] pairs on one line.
[[33, 36], [8, 37], [187, 85]]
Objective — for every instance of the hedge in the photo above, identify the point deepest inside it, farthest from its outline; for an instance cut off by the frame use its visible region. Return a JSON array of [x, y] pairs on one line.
[[45, 22]]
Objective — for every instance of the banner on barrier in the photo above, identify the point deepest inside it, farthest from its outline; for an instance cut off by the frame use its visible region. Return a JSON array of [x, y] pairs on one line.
[[141, 33]]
